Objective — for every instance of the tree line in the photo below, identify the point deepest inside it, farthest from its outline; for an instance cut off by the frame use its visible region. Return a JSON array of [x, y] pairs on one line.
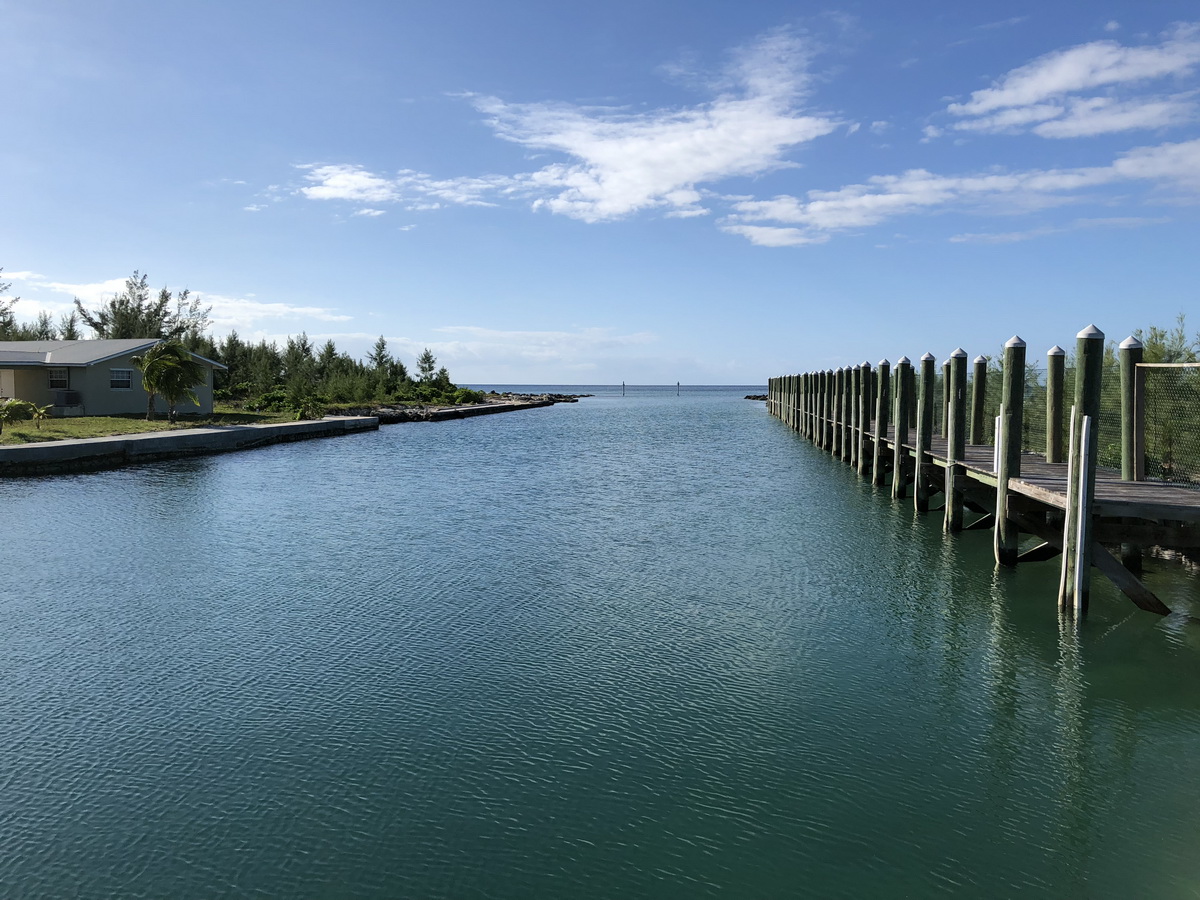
[[259, 376]]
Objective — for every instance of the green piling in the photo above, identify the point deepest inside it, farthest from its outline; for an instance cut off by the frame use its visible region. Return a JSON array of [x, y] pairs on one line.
[[978, 399], [1075, 579], [903, 401], [924, 433], [1008, 448], [956, 438]]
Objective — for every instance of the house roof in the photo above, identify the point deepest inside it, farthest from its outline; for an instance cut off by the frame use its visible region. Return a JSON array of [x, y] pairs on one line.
[[75, 353]]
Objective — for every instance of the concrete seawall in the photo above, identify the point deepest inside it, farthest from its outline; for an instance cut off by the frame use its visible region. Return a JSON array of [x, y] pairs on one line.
[[90, 454]]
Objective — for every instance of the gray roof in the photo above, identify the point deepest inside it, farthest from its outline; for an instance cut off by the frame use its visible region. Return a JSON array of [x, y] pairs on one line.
[[74, 353]]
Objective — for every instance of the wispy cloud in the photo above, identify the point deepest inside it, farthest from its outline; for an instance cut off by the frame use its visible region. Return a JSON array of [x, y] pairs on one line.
[[242, 313], [888, 196], [616, 162], [1047, 95], [1012, 237], [468, 341]]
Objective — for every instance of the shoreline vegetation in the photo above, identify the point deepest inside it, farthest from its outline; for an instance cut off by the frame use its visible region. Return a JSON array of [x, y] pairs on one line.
[[261, 384], [86, 427]]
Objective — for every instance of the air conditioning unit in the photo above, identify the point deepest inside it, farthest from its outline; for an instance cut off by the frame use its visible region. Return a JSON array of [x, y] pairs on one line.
[[67, 398]]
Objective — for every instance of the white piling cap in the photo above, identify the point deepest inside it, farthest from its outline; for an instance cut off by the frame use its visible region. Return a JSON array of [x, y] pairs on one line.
[[1091, 333], [960, 353], [927, 357], [980, 359], [1056, 351], [884, 362], [904, 361], [1131, 343], [1015, 341], [866, 364]]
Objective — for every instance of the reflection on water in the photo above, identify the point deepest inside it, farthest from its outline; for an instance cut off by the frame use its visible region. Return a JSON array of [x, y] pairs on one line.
[[643, 645]]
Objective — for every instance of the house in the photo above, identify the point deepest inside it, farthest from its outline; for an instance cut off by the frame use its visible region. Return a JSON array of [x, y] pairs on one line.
[[88, 378]]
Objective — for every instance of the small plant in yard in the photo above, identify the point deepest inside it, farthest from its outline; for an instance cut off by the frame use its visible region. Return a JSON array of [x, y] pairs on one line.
[[15, 411], [39, 413], [307, 406]]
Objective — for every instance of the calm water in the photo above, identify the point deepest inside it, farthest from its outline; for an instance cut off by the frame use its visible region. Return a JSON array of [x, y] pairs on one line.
[[650, 646]]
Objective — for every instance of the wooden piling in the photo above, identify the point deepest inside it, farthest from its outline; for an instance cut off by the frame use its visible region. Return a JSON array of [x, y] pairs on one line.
[[855, 415], [839, 380], [956, 439], [862, 453], [830, 408], [1133, 454], [1056, 364], [924, 433], [946, 398], [883, 402], [1008, 445], [847, 415], [900, 465], [978, 399], [1076, 577], [1129, 356]]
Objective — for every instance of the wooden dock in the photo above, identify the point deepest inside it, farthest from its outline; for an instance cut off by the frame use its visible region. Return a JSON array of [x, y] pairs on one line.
[[880, 420]]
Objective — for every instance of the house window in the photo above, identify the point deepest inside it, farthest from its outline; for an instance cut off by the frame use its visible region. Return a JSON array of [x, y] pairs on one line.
[[120, 379], [58, 379]]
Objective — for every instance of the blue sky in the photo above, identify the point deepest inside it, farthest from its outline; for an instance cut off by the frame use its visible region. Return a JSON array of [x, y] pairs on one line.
[[648, 192]]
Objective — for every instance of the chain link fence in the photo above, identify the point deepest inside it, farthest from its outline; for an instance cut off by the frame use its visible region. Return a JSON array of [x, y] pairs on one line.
[[1172, 404], [1172, 415]]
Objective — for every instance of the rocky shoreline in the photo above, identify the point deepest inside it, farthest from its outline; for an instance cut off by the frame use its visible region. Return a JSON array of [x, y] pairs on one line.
[[493, 403]]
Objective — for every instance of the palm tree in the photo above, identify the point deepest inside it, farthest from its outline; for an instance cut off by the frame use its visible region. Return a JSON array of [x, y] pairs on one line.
[[169, 369]]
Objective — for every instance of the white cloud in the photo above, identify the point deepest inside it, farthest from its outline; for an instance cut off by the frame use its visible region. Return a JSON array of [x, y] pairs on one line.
[[564, 348], [887, 196], [93, 292], [227, 312], [1103, 115], [244, 314], [370, 213], [619, 162], [774, 236], [347, 182], [255, 207], [1048, 88]]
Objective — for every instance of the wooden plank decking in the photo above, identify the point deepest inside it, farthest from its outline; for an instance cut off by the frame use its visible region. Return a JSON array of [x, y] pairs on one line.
[[1046, 483]]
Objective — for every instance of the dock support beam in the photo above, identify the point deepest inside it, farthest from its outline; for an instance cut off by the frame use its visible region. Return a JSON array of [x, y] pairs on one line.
[[1075, 583], [1008, 446], [956, 439]]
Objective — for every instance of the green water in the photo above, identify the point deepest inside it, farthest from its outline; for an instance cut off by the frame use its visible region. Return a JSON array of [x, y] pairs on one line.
[[640, 646]]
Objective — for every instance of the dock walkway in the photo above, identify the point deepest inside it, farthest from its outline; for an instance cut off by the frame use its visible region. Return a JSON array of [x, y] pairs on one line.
[[881, 421]]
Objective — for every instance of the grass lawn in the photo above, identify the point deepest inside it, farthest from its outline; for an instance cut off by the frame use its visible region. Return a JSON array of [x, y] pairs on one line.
[[103, 426]]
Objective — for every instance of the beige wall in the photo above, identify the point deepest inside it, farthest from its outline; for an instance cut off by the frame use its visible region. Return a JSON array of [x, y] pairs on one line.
[[99, 398]]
